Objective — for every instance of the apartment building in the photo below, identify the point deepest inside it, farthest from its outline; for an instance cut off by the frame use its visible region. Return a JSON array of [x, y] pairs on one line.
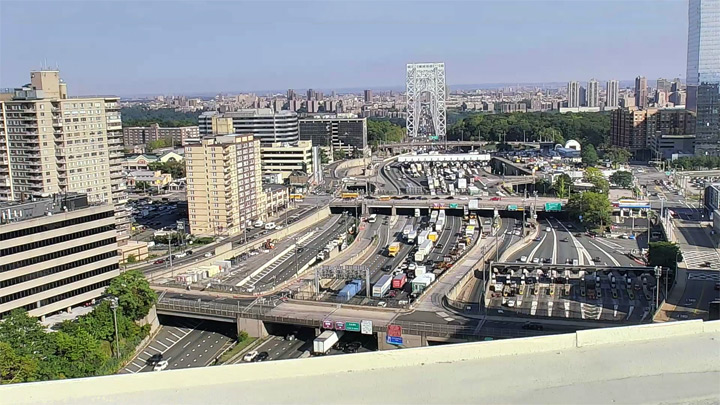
[[635, 129], [224, 184], [52, 143], [133, 136], [283, 158], [264, 124], [57, 252], [336, 131]]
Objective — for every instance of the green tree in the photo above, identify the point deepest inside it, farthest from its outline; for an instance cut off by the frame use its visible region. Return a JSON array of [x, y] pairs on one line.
[[595, 176], [174, 168], [158, 144], [384, 131], [131, 259], [589, 155], [142, 185], [15, 368], [617, 155], [134, 294], [562, 186], [80, 353], [622, 178], [339, 154], [141, 116], [324, 157], [595, 208], [665, 254]]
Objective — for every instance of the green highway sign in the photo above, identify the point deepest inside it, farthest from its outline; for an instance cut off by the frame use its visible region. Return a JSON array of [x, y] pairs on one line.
[[553, 206], [352, 326], [453, 205], [434, 137], [512, 208]]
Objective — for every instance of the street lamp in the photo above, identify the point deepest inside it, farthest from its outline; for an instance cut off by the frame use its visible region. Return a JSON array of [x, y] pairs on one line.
[[114, 307]]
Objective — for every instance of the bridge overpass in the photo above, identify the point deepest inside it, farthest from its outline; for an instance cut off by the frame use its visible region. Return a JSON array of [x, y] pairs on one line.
[[619, 365], [454, 144]]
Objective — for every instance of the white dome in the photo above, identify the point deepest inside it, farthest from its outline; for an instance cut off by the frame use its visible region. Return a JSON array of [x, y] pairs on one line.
[[572, 144]]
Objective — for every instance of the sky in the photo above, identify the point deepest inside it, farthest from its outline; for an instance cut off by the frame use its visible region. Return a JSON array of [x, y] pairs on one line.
[[184, 47]]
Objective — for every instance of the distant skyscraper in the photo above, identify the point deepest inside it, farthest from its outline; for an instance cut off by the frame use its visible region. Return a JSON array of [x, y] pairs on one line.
[[703, 58], [291, 94], [582, 96], [612, 93], [593, 96], [708, 120], [311, 94], [573, 94], [664, 85], [641, 92], [319, 95], [368, 96]]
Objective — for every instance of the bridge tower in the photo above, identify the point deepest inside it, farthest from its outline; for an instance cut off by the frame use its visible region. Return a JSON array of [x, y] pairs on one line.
[[426, 93]]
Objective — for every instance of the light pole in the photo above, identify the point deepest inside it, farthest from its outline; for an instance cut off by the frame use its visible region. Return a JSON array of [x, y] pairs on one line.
[[657, 287], [114, 307]]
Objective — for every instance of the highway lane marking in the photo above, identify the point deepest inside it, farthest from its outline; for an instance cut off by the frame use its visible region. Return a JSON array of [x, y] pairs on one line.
[[567, 309], [630, 311], [555, 248], [532, 253], [606, 253]]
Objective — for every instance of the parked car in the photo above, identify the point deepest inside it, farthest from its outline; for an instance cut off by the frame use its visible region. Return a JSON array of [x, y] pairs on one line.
[[262, 356], [250, 356], [161, 365], [159, 261]]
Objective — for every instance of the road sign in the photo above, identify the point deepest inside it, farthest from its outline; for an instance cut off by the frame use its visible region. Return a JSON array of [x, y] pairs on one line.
[[556, 206], [339, 325], [352, 326], [327, 324], [394, 340], [394, 330], [366, 327], [512, 207], [453, 205]]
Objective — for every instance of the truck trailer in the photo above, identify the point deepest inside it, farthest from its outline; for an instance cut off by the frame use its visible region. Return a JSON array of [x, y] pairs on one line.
[[325, 341], [382, 286]]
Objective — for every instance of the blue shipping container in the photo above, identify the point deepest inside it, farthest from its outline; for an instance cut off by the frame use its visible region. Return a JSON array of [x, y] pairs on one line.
[[347, 292]]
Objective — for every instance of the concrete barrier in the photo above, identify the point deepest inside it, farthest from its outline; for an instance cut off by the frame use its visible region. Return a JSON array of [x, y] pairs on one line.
[[634, 333]]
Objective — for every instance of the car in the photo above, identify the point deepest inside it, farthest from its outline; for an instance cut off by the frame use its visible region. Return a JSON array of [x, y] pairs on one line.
[[208, 254], [392, 293], [564, 240], [352, 347], [538, 239], [532, 326], [495, 199], [536, 260], [548, 229], [189, 252], [262, 356], [250, 356], [439, 246], [382, 304], [155, 359], [161, 365], [596, 259], [159, 261], [570, 226], [387, 267], [523, 259], [547, 260]]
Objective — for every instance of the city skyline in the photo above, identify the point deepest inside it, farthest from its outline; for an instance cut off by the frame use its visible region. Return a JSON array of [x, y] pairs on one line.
[[139, 60]]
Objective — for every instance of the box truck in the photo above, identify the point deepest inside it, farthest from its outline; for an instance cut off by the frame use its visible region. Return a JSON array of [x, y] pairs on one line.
[[393, 249], [323, 343], [382, 286]]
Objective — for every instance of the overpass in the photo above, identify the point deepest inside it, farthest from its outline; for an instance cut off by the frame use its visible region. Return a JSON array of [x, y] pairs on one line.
[[454, 144], [482, 204], [658, 363]]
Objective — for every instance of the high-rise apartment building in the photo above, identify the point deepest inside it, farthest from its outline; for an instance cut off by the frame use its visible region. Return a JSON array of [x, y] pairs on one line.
[[311, 106], [368, 96], [134, 136], [55, 253], [311, 94], [612, 94], [708, 120], [641, 95], [593, 95], [51, 143], [291, 94], [664, 85], [347, 133], [224, 184], [264, 124], [703, 54], [573, 94], [634, 129]]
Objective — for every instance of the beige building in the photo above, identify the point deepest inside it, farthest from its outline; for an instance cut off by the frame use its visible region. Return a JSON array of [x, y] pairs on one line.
[[224, 186], [284, 158], [133, 136], [50, 143], [55, 253]]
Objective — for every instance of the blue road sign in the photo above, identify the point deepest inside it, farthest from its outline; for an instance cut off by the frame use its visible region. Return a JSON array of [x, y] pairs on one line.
[[394, 340]]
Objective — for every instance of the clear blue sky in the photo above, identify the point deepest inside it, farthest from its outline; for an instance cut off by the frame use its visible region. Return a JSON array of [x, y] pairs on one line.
[[123, 47]]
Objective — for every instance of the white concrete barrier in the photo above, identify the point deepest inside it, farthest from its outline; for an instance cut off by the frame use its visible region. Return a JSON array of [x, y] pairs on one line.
[[634, 333]]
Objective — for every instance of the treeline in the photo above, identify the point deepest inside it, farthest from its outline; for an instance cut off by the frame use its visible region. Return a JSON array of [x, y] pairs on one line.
[[586, 128], [696, 163], [384, 131], [141, 116], [80, 348]]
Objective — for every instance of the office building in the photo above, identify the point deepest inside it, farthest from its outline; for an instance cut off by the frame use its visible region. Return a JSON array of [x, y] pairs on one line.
[[57, 252], [612, 91], [633, 129], [708, 120], [311, 95], [264, 124], [583, 96], [368, 96], [284, 158], [665, 146], [641, 95], [573, 95], [592, 94], [51, 143], [334, 131], [291, 94], [133, 136], [664, 85], [224, 184], [703, 54]]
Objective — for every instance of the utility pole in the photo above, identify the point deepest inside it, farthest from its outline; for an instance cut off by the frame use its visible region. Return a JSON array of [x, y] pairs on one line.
[[114, 307]]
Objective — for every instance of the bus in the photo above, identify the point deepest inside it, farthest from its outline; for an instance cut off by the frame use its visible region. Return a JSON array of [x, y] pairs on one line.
[[296, 197], [373, 218], [384, 198], [349, 196]]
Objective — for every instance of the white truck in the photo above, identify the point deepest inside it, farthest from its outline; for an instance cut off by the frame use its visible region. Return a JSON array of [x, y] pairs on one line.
[[423, 251], [325, 341], [440, 224], [382, 286], [412, 236], [407, 230], [417, 212], [423, 237]]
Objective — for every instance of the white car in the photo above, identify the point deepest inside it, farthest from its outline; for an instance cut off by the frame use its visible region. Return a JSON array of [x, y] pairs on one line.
[[523, 259], [161, 365], [548, 229], [536, 260], [208, 254], [249, 356], [382, 304]]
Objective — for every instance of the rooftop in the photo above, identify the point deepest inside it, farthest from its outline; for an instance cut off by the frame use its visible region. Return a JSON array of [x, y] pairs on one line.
[[35, 207], [658, 363]]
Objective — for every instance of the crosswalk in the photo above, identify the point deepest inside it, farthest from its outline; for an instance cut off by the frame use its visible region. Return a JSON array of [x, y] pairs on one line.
[[699, 258], [704, 276]]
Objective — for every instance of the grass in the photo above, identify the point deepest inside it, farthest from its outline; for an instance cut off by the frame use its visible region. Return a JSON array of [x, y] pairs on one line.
[[235, 350]]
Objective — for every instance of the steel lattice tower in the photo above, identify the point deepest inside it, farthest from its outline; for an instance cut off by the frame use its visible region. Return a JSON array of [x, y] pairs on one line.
[[426, 78]]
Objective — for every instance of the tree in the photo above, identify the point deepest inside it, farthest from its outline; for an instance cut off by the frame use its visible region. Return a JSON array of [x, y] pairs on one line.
[[15, 368], [134, 294], [339, 154], [324, 157], [384, 131], [562, 185], [595, 176], [174, 168], [142, 185], [158, 144], [141, 116], [80, 352], [617, 155], [664, 254], [622, 178], [594, 208], [589, 155]]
